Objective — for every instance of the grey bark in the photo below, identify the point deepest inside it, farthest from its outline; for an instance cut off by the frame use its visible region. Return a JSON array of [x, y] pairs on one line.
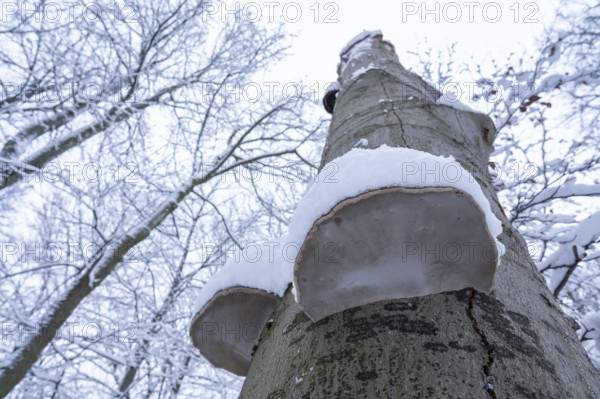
[[513, 343]]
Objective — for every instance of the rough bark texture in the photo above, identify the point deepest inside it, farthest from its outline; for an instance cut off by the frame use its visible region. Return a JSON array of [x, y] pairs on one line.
[[514, 343]]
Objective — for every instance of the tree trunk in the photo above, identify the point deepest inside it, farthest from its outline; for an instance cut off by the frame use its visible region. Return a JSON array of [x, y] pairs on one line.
[[514, 343]]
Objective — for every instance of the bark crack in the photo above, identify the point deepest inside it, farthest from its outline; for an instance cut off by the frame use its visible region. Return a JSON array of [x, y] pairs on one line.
[[397, 117], [401, 128], [489, 349]]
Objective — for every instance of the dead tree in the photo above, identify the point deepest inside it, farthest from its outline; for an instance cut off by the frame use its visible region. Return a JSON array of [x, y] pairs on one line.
[[514, 342]]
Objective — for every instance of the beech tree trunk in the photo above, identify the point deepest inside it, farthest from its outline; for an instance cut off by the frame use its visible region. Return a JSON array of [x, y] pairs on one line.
[[514, 343]]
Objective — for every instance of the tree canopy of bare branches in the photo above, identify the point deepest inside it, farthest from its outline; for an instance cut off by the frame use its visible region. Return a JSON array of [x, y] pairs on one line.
[[131, 161]]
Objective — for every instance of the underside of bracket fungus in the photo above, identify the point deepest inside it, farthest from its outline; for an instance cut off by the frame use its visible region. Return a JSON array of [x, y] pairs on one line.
[[227, 328], [234, 306], [392, 234], [392, 243]]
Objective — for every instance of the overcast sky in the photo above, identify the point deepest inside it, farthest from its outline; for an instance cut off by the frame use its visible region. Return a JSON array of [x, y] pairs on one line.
[[481, 28]]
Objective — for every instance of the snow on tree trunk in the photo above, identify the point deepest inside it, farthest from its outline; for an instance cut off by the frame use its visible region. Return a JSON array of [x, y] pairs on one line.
[[515, 342]]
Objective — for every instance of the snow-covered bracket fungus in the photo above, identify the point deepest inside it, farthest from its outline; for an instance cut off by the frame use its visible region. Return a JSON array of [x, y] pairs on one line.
[[398, 223], [234, 306]]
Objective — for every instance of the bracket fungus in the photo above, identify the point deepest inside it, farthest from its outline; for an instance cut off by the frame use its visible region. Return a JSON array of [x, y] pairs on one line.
[[398, 231], [233, 307]]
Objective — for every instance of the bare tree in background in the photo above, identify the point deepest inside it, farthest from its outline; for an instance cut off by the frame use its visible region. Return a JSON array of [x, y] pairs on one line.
[[123, 138], [549, 133]]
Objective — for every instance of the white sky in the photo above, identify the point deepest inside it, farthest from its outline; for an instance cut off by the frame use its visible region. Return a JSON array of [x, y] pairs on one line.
[[404, 23]]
